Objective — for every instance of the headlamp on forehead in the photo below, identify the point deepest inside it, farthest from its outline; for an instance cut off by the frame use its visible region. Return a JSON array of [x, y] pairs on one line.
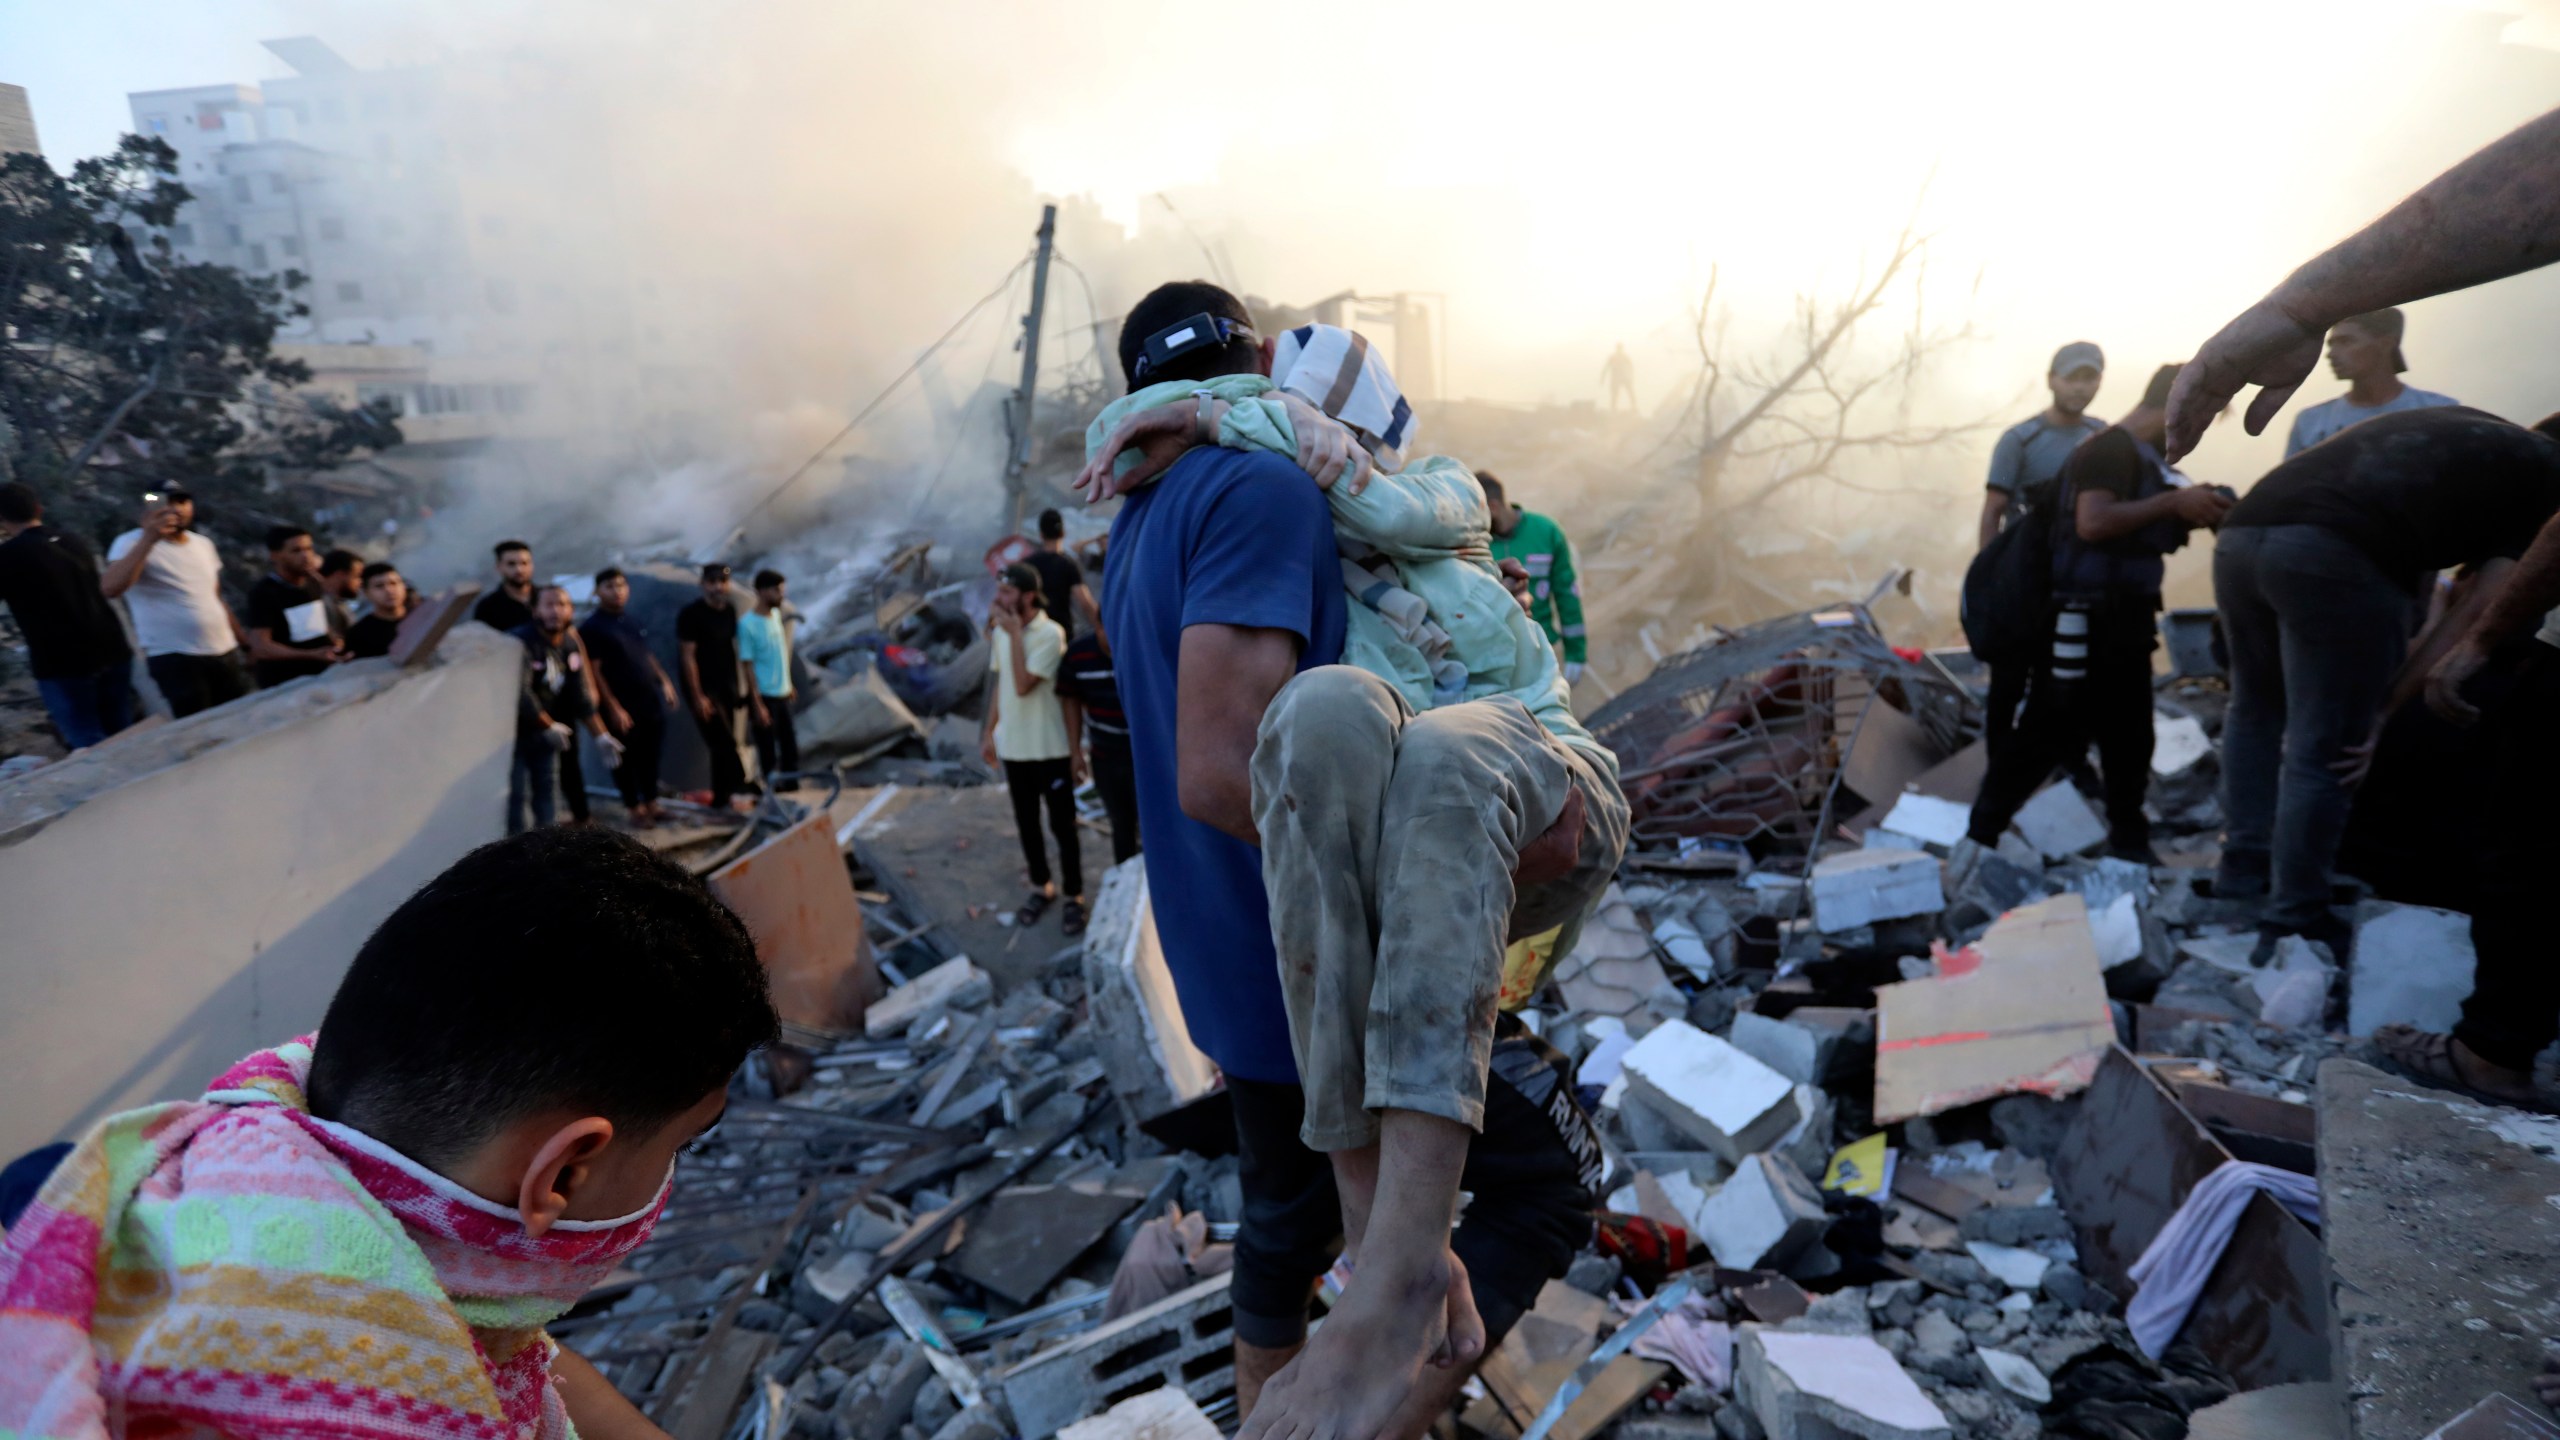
[[1184, 336]]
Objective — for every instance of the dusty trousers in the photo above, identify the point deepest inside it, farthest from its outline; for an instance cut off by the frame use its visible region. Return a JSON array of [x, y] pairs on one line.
[[1388, 845]]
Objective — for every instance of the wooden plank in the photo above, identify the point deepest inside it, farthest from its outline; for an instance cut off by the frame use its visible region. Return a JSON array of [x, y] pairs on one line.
[[798, 902]]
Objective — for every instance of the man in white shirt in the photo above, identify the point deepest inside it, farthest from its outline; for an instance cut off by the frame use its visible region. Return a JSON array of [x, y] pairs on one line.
[[170, 579], [1026, 734], [2364, 351]]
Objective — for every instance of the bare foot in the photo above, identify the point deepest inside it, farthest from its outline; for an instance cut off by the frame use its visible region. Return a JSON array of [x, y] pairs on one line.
[[1366, 1358]]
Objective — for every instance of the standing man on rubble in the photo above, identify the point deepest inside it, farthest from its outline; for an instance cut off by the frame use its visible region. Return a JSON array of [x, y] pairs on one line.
[[1555, 590], [2364, 351], [2124, 513], [75, 645], [291, 631], [170, 578], [1618, 372], [510, 606], [641, 695], [2026, 463], [1062, 589], [764, 643], [1225, 582], [707, 653]]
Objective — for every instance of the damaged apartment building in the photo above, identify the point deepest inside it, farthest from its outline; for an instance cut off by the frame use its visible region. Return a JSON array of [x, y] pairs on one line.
[[2042, 1154]]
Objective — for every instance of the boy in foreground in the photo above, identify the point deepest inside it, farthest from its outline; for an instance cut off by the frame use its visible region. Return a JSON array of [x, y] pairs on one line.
[[400, 1203]]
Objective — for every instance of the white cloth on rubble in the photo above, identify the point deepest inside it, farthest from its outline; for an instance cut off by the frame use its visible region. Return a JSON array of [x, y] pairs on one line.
[[1336, 371], [2174, 1267]]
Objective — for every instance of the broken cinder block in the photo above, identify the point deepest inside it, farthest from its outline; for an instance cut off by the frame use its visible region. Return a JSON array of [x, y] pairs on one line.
[[1710, 1091], [1763, 1217], [955, 981], [1817, 1387], [1862, 887], [2059, 823]]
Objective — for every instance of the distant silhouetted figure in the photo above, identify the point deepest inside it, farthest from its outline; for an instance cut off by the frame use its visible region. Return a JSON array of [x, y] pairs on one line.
[[1619, 373]]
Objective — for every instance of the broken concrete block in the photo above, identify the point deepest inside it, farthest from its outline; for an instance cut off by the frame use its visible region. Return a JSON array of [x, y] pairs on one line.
[[2177, 743], [1612, 968], [1819, 1387], [2059, 823], [1862, 887], [1144, 1044], [1808, 1146], [2410, 966], [1161, 1414], [1882, 839], [1710, 1091], [1928, 819], [2293, 990], [1180, 1342], [2016, 1374], [954, 982], [1790, 1049], [1764, 1216], [2011, 1266], [1687, 948]]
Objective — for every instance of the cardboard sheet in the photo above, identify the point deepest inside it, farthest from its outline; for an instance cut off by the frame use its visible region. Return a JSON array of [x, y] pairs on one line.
[[2031, 1016]]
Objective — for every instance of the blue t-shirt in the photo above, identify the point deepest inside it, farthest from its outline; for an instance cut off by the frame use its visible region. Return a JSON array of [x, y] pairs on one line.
[[1227, 537]]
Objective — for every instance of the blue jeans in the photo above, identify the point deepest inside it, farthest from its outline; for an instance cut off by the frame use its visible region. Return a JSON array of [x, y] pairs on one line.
[[2316, 631], [529, 782], [92, 707]]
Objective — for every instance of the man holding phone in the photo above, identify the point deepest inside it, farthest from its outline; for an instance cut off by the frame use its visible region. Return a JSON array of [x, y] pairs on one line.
[[290, 629], [170, 579]]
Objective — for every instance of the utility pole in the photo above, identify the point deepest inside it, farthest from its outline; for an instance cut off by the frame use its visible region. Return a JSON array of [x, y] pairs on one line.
[[1018, 410]]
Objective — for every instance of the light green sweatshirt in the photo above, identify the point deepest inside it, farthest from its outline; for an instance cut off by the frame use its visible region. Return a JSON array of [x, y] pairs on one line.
[[1430, 522]]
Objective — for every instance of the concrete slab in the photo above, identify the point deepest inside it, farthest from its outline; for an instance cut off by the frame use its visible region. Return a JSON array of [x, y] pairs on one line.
[[2177, 743], [1929, 819], [2442, 1222], [1144, 1042], [953, 981], [2059, 823], [2500, 1417], [1792, 1050], [2411, 966], [1763, 1217], [1710, 1091], [1862, 887], [1165, 1414], [2313, 1410], [1817, 1387]]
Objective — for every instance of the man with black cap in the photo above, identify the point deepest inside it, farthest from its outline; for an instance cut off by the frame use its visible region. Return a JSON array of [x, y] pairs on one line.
[[2364, 351], [707, 651], [170, 579], [2025, 464]]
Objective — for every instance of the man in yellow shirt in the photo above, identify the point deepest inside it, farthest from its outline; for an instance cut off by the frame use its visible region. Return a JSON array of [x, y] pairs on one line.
[[1025, 734]]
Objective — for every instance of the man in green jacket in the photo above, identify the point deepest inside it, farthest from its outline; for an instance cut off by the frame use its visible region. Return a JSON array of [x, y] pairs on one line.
[[1555, 592]]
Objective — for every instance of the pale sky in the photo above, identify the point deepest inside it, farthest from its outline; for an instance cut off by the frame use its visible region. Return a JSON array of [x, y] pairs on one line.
[[2130, 173]]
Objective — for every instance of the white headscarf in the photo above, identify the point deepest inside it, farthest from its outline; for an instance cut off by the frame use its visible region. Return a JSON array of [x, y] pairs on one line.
[[1338, 372]]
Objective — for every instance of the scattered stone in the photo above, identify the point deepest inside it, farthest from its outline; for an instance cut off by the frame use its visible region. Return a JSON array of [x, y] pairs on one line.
[[955, 982], [1861, 887], [2060, 824], [1813, 1387], [2011, 1266], [2016, 1225], [1765, 1215], [1594, 1274], [2410, 966], [2016, 1374]]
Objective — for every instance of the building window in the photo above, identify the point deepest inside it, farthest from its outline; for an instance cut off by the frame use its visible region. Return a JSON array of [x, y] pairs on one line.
[[349, 290], [159, 124], [276, 183], [232, 233], [257, 257], [182, 233], [290, 245], [398, 395], [240, 192], [332, 228]]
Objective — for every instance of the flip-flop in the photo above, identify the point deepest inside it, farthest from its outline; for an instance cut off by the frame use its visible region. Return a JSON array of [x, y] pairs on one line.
[[1072, 922], [1032, 909], [2449, 1079]]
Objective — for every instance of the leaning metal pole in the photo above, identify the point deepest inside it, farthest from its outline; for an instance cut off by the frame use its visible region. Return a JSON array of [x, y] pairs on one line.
[[1018, 460]]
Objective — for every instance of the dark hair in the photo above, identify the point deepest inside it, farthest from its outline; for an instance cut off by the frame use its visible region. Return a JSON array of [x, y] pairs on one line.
[[1493, 491], [767, 579], [279, 536], [540, 590], [337, 560], [715, 571], [568, 968], [610, 572], [1053, 526], [1171, 304], [2155, 395], [377, 570], [1021, 577], [2549, 425], [499, 550], [19, 505]]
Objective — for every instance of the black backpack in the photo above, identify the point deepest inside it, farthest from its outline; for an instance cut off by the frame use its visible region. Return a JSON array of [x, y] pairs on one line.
[[2007, 603]]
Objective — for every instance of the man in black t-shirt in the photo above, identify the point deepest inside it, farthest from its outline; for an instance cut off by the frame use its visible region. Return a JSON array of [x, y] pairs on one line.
[[1062, 588], [386, 596], [2116, 515], [707, 652], [290, 634], [637, 690], [1097, 725], [2316, 576], [510, 606], [552, 703], [49, 578]]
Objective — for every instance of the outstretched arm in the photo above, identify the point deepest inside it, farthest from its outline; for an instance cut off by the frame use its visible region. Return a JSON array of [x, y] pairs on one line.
[[2496, 214], [2517, 608]]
